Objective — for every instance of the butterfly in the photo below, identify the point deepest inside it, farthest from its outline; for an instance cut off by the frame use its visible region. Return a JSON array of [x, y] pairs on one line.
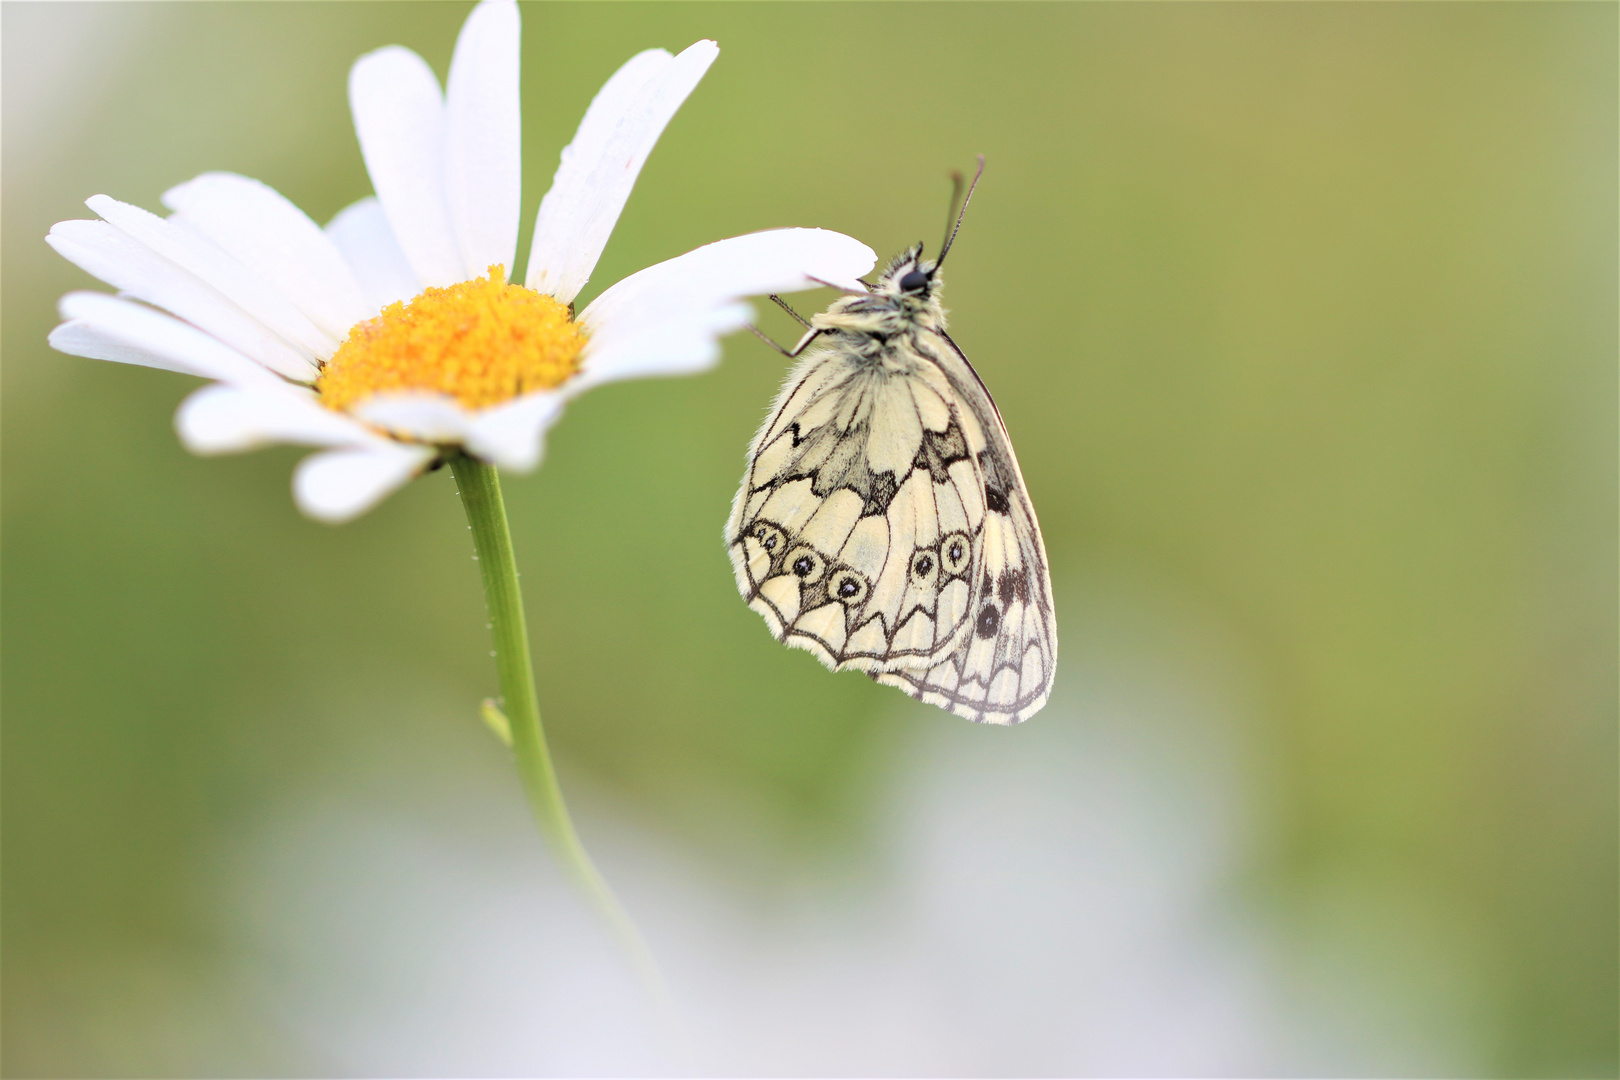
[[882, 523]]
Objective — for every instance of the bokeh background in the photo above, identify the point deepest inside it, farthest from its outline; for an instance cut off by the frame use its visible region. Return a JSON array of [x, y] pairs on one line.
[[1303, 319]]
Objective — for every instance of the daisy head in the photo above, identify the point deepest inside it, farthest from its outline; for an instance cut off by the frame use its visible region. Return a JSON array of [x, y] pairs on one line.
[[396, 335]]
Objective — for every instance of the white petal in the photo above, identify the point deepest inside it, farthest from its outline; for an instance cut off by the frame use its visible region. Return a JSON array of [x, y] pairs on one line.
[[424, 416], [555, 266], [110, 328], [229, 419], [362, 233], [600, 166], [399, 117], [692, 299], [483, 160], [671, 346], [337, 485], [513, 435], [240, 284], [126, 264], [263, 230], [773, 261]]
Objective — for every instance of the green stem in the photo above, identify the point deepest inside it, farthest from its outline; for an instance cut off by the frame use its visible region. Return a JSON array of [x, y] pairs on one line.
[[480, 490]]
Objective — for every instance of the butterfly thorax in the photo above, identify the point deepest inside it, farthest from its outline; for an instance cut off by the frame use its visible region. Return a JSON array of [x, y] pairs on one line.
[[904, 301]]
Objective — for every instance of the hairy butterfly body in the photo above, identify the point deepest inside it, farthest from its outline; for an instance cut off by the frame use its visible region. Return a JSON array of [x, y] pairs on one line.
[[883, 523]]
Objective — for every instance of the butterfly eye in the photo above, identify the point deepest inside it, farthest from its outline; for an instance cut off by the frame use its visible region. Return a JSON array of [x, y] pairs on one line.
[[954, 553], [848, 586], [924, 569], [914, 281], [805, 564]]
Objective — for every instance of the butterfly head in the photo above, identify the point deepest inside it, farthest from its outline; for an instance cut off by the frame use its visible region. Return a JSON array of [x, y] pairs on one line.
[[903, 300], [911, 283]]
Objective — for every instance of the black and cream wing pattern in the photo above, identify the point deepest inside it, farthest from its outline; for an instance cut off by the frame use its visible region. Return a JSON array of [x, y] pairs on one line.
[[883, 525]]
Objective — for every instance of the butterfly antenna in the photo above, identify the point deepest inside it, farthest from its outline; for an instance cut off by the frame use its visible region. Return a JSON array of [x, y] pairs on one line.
[[956, 191]]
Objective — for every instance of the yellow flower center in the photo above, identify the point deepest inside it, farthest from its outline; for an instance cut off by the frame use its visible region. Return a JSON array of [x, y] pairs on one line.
[[481, 342]]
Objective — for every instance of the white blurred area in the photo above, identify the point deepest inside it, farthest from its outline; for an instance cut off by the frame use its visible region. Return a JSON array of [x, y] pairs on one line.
[[1072, 897]]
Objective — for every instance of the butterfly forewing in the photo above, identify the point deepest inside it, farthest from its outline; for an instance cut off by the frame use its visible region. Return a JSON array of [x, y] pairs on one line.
[[850, 534]]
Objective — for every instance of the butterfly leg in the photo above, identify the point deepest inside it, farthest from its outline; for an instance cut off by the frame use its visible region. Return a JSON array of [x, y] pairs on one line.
[[809, 336], [783, 304]]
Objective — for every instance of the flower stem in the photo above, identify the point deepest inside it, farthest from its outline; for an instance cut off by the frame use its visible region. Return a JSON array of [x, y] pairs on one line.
[[480, 489]]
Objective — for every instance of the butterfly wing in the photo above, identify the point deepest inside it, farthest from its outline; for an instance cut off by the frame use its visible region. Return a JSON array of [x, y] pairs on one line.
[[1000, 671], [854, 532]]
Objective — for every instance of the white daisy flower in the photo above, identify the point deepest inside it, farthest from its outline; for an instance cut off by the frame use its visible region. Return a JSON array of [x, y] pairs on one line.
[[391, 336]]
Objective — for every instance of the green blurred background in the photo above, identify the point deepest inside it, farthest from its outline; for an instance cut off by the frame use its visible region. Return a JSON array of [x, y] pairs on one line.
[[1303, 319]]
